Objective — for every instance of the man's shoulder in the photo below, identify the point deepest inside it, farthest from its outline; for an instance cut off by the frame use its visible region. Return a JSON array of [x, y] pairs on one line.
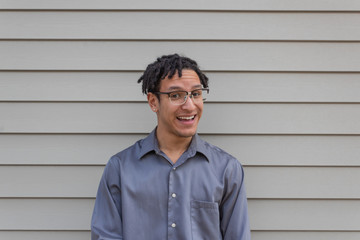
[[129, 152], [223, 164], [217, 155]]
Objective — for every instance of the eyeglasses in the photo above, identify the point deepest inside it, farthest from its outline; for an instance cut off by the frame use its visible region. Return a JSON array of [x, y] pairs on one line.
[[180, 97]]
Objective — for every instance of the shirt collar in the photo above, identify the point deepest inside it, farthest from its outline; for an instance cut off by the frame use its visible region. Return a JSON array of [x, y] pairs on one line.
[[198, 145], [150, 144]]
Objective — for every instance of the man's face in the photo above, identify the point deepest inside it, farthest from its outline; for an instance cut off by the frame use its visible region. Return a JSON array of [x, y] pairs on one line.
[[179, 121]]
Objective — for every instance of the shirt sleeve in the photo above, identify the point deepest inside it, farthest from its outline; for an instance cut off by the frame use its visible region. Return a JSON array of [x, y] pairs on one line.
[[234, 214], [106, 222]]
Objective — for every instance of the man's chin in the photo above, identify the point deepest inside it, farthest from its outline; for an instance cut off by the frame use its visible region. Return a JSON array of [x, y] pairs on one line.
[[187, 134]]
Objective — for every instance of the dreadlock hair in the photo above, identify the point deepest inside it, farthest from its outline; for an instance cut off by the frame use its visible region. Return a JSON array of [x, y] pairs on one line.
[[168, 66]]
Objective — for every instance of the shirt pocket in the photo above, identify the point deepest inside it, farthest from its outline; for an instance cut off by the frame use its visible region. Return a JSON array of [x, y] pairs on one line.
[[205, 220]]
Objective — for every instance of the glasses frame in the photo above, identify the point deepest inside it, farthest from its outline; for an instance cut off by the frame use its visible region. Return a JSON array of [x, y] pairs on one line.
[[186, 96]]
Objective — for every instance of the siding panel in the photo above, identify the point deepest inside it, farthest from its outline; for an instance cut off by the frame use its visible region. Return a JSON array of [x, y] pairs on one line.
[[308, 5], [130, 118], [292, 150], [45, 214], [213, 25], [251, 150], [45, 235], [49, 181], [261, 182], [305, 215], [293, 235], [122, 86], [135, 55], [255, 235], [60, 149], [310, 182], [75, 214]]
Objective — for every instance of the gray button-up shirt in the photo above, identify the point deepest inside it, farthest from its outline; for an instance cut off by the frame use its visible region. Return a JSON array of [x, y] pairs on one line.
[[144, 196]]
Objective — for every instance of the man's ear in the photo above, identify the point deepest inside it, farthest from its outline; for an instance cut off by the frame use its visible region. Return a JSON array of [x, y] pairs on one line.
[[153, 102]]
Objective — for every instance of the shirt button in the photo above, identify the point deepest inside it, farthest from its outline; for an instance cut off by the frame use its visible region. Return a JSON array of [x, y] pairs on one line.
[[174, 168], [173, 195], [173, 225]]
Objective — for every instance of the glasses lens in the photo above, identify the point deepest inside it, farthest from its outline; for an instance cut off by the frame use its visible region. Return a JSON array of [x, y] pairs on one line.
[[177, 98], [196, 94], [200, 94]]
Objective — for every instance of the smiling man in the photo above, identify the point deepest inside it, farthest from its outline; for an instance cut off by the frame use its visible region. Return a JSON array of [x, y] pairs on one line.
[[172, 184]]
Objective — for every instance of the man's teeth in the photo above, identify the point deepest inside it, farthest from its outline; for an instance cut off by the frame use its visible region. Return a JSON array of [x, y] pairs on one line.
[[186, 118]]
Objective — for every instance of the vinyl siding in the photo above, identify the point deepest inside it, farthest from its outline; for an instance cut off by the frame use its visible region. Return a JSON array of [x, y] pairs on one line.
[[284, 99]]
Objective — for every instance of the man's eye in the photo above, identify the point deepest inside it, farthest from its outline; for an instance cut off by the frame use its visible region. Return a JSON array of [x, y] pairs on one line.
[[175, 95], [196, 94]]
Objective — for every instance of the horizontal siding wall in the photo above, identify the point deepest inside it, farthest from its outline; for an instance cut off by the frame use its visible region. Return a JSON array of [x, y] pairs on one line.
[[284, 99]]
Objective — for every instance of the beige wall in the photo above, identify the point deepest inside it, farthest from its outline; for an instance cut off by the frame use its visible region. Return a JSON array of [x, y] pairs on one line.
[[284, 80]]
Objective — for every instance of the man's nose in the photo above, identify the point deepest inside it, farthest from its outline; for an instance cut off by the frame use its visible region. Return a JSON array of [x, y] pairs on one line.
[[189, 102]]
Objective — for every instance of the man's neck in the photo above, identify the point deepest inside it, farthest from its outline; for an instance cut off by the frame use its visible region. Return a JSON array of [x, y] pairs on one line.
[[173, 146]]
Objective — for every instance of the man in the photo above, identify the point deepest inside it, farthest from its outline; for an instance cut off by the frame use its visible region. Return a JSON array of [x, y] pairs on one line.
[[172, 184]]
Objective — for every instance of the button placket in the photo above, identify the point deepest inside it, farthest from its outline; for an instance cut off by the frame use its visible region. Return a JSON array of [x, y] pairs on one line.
[[174, 203], [171, 204]]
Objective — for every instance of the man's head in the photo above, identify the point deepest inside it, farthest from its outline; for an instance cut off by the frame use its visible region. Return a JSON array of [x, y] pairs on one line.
[[166, 82], [168, 66]]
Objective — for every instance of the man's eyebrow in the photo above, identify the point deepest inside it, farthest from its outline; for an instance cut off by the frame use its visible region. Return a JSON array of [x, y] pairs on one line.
[[197, 86], [174, 88], [181, 89]]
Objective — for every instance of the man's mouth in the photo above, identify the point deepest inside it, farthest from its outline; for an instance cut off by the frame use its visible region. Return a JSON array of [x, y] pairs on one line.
[[187, 118]]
